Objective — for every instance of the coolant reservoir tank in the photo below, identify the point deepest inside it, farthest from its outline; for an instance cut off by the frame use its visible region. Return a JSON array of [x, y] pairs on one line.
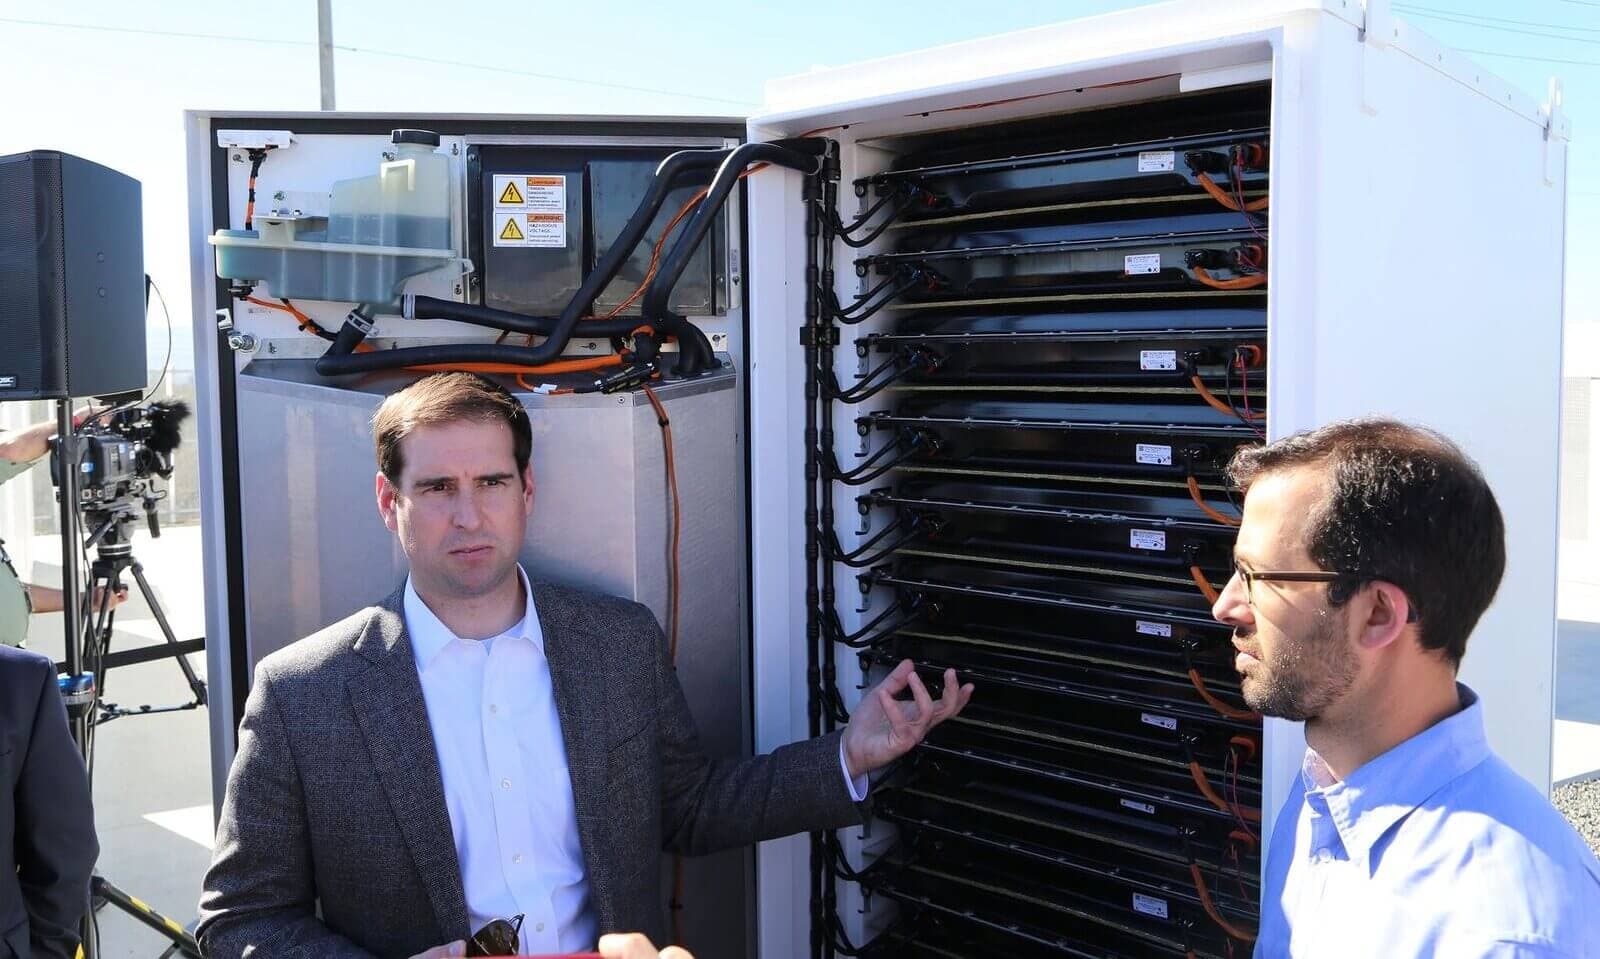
[[381, 231]]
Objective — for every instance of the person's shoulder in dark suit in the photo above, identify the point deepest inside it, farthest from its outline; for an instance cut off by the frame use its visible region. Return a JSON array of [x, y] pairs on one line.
[[47, 838]]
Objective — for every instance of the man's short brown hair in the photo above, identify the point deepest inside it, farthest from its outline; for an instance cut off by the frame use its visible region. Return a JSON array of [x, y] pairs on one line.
[[1404, 505], [441, 398]]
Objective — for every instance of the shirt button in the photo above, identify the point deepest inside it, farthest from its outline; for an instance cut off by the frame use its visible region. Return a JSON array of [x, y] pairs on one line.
[[1324, 855], [517, 858], [505, 784], [493, 708], [539, 927]]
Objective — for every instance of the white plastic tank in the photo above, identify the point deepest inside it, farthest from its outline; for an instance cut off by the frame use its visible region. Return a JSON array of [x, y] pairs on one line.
[[407, 204], [380, 231]]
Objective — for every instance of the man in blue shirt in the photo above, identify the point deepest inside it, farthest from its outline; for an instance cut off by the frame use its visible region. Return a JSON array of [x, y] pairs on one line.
[[1368, 551]]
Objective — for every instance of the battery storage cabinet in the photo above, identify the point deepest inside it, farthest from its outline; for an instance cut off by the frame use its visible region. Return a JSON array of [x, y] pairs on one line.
[[980, 379]]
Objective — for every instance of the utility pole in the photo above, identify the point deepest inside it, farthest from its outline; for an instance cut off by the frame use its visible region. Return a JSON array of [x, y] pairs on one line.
[[325, 50]]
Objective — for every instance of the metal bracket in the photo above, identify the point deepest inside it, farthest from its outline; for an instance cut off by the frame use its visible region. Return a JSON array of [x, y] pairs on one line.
[[1557, 130], [1378, 30], [829, 336]]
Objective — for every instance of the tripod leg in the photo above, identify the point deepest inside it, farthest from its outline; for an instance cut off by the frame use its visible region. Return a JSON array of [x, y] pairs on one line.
[[141, 911], [195, 682]]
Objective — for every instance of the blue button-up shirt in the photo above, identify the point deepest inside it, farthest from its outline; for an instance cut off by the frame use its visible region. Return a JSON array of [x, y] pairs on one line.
[[1435, 848]]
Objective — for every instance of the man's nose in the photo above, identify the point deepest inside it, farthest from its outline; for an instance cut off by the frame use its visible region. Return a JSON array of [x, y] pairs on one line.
[[1233, 604], [467, 513]]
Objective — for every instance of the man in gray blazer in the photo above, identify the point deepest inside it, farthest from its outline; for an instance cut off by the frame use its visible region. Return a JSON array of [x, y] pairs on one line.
[[479, 745]]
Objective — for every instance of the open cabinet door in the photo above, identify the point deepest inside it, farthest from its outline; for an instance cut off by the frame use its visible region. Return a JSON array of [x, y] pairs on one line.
[[525, 210]]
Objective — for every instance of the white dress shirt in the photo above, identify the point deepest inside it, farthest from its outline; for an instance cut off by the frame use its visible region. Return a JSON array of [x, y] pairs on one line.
[[504, 764], [492, 709]]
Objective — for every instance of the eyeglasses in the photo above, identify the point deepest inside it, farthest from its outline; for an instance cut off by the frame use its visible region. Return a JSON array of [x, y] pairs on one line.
[[1249, 578], [498, 937]]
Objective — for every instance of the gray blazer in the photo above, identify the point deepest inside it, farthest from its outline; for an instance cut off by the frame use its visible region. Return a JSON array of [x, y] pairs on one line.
[[334, 838]]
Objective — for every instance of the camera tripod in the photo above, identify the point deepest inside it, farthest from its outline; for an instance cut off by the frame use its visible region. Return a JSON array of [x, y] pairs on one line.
[[114, 557]]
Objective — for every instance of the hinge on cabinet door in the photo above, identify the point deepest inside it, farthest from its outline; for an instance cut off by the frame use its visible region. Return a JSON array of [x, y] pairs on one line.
[[1557, 131], [1378, 30]]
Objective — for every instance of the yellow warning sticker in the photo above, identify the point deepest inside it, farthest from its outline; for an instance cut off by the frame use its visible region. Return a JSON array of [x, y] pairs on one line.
[[530, 210]]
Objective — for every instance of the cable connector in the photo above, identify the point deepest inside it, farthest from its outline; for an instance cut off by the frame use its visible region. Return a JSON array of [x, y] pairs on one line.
[[626, 377], [1205, 161]]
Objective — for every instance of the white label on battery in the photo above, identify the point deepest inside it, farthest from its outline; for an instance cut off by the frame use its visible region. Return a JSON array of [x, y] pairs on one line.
[[1145, 808], [1150, 905], [1164, 722], [1158, 359], [1147, 539], [1139, 264], [530, 210], [1164, 630], [1157, 161], [1153, 455]]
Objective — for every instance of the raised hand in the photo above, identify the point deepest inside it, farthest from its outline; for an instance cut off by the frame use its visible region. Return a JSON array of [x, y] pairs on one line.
[[882, 728]]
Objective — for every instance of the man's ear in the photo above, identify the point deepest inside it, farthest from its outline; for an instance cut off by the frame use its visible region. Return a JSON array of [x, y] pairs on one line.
[[1385, 608], [527, 487], [386, 506]]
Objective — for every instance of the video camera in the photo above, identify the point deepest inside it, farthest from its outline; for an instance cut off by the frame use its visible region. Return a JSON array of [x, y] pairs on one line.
[[121, 453]]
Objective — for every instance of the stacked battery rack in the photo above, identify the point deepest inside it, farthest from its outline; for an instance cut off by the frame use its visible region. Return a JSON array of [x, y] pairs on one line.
[[1068, 343]]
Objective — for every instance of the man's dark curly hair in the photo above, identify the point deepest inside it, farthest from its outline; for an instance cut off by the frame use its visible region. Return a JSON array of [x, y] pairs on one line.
[[1405, 506]]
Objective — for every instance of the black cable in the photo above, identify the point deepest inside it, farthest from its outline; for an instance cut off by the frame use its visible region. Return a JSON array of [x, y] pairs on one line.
[[257, 157], [864, 638], [864, 556], [902, 360], [811, 189], [849, 315], [877, 231], [839, 313], [873, 466], [919, 528], [829, 176], [694, 357], [860, 221], [418, 307]]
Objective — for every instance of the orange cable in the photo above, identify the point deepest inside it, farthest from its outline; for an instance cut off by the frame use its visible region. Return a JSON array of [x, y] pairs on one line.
[[672, 615], [1248, 282], [1204, 785], [1194, 493], [1222, 197], [1217, 404], [1211, 908], [1200, 580], [1222, 708], [305, 320], [1239, 835]]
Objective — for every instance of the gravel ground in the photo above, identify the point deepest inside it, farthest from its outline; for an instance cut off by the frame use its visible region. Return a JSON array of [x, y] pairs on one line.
[[1580, 803]]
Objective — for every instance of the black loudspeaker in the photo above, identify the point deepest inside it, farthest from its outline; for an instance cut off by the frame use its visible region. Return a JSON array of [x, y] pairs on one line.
[[72, 287]]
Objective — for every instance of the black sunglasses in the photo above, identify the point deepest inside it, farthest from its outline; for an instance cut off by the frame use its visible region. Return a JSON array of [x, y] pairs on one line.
[[498, 937]]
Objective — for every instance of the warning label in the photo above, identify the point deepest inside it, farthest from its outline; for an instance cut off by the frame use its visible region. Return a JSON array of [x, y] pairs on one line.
[[530, 209]]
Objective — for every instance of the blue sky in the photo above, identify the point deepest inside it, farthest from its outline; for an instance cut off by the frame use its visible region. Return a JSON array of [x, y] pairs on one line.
[[112, 86]]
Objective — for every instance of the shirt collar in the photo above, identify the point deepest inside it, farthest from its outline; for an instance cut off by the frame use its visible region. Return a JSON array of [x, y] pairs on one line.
[[430, 636], [1386, 789]]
